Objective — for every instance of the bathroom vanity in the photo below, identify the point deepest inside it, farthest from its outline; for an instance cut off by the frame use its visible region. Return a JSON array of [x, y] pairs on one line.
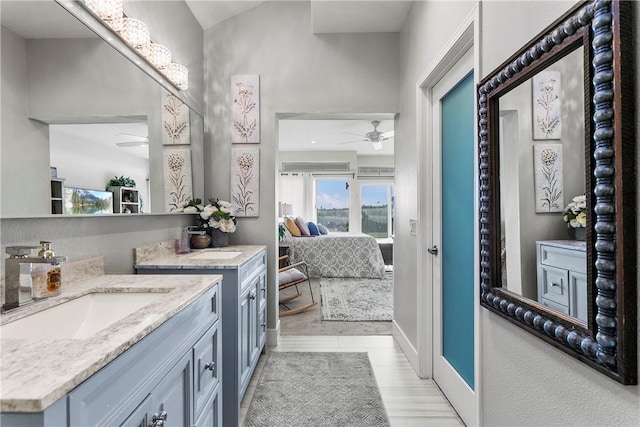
[[115, 350], [243, 308], [562, 276]]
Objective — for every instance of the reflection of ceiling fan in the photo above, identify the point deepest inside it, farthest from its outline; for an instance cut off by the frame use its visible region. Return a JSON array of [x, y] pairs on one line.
[[135, 140], [375, 137]]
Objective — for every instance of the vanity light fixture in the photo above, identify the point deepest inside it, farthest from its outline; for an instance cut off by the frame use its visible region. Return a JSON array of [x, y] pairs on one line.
[[159, 56], [110, 11], [136, 34], [179, 75]]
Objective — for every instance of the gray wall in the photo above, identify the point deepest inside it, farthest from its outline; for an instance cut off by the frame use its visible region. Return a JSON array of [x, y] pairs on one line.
[[24, 152], [299, 73], [428, 27], [526, 382]]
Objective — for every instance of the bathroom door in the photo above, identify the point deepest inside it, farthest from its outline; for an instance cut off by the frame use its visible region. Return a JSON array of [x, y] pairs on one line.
[[453, 233]]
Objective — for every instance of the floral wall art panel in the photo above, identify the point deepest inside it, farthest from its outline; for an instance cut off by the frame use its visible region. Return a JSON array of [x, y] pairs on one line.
[[245, 177], [547, 166], [245, 115], [175, 121], [178, 187], [547, 117]]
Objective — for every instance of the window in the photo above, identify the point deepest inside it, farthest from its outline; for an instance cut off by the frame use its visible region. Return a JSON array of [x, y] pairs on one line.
[[332, 203], [377, 209]]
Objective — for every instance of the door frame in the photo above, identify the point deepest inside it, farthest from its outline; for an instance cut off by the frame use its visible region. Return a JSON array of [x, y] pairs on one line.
[[466, 37]]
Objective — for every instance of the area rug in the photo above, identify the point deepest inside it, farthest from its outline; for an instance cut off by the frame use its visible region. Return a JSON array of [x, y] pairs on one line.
[[316, 389], [309, 322], [357, 300]]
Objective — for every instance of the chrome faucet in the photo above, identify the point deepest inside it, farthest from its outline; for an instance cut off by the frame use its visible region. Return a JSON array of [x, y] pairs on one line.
[[16, 292]]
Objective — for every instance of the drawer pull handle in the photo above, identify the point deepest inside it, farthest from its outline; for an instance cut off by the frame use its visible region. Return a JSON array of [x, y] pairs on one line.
[[252, 295], [555, 284], [210, 366]]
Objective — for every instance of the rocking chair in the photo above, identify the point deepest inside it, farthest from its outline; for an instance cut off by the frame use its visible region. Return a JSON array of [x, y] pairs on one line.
[[292, 275]]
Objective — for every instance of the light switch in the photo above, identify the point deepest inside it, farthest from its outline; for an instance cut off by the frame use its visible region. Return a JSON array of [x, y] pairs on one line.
[[412, 227]]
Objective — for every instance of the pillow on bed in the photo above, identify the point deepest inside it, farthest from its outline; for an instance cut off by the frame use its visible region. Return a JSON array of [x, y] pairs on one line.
[[313, 229], [293, 228], [302, 226], [289, 276], [322, 229]]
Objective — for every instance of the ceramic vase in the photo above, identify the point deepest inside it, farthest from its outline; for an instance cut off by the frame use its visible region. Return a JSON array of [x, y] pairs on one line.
[[219, 238], [579, 233], [200, 241]]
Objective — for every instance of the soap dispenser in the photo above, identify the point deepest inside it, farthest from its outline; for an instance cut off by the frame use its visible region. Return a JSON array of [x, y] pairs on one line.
[[46, 277]]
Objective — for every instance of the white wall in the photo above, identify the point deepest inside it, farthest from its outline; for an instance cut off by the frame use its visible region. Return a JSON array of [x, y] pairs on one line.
[[299, 73], [525, 381]]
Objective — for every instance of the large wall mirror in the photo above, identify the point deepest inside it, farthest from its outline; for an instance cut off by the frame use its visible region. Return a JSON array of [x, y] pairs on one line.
[[557, 188], [72, 102]]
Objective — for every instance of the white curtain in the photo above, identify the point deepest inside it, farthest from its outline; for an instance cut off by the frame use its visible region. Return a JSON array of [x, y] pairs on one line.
[[291, 189]]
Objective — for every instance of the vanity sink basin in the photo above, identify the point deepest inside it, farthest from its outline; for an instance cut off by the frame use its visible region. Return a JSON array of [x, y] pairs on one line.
[[80, 317], [216, 255]]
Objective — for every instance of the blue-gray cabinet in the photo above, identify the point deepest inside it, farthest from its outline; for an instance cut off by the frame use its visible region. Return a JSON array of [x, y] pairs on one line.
[[171, 377], [244, 328]]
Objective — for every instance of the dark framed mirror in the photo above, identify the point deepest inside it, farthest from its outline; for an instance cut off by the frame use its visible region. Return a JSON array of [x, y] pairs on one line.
[[557, 160]]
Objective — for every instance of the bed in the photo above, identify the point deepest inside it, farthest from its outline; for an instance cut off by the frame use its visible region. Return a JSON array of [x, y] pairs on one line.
[[338, 255]]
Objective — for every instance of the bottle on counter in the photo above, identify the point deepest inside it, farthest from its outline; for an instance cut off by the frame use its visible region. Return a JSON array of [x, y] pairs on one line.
[[182, 243], [45, 277]]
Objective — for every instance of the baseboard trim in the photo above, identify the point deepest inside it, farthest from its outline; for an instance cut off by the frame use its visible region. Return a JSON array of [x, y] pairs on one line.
[[273, 335], [407, 348]]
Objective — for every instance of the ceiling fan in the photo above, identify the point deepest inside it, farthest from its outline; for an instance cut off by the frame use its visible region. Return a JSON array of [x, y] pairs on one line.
[[136, 140], [375, 137]]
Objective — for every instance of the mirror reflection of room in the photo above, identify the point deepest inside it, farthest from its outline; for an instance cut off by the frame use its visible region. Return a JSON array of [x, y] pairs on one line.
[[53, 79], [542, 188]]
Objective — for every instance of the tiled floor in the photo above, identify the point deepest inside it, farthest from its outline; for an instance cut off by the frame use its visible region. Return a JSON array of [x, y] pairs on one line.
[[409, 400]]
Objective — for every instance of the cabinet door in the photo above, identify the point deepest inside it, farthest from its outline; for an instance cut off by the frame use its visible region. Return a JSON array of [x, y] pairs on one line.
[[140, 417], [210, 417], [206, 361], [578, 304], [172, 396], [247, 325]]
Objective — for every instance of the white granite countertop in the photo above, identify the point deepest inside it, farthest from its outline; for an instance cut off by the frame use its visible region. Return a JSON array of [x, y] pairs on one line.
[[37, 372], [195, 261]]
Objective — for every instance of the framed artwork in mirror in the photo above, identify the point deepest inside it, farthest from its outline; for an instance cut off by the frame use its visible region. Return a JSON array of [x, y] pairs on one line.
[[598, 276]]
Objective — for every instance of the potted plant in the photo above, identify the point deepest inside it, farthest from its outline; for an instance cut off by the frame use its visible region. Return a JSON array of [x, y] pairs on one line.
[[123, 181]]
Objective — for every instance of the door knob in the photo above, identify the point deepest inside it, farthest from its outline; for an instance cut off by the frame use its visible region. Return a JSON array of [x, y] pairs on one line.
[[433, 250]]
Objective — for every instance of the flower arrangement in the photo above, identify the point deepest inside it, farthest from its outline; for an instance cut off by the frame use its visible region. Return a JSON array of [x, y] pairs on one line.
[[217, 214], [575, 213]]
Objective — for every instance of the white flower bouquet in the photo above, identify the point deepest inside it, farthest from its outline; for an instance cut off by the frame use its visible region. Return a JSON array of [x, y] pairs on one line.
[[575, 213], [217, 214]]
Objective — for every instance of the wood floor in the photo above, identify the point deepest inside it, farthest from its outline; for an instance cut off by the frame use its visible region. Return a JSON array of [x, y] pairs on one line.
[[409, 400]]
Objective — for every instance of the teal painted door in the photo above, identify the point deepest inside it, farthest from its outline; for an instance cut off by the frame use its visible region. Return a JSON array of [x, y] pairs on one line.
[[457, 127]]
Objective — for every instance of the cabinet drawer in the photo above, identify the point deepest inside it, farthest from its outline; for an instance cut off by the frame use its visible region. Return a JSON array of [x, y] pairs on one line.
[[207, 369], [555, 286], [563, 258], [555, 306], [254, 266]]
